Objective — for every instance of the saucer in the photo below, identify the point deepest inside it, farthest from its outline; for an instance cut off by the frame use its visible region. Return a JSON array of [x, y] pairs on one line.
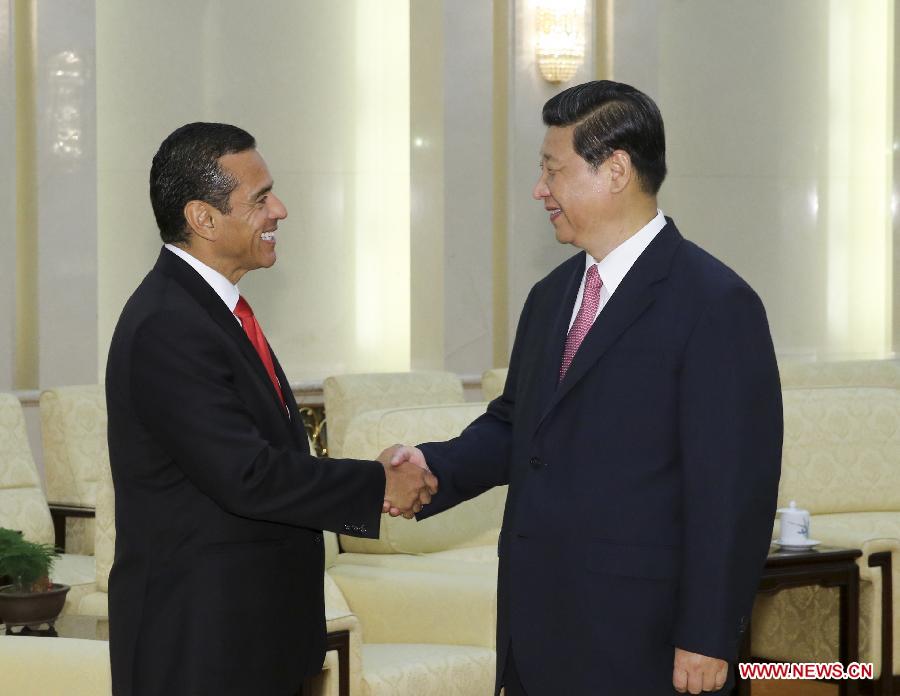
[[797, 546]]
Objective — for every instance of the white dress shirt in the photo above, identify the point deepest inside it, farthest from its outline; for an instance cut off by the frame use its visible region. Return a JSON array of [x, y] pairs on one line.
[[224, 288], [617, 263]]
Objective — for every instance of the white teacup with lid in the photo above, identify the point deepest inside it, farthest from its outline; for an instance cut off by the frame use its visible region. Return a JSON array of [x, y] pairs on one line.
[[795, 528]]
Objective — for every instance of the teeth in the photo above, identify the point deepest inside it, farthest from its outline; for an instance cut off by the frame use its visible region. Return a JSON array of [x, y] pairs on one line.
[[267, 236]]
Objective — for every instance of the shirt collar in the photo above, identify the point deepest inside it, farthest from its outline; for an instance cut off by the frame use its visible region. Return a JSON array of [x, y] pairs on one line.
[[619, 261], [224, 288]]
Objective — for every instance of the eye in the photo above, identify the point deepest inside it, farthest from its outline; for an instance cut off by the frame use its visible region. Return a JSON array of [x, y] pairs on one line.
[[262, 200]]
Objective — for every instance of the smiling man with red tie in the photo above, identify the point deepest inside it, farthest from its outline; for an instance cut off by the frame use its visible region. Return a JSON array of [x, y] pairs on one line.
[[217, 583]]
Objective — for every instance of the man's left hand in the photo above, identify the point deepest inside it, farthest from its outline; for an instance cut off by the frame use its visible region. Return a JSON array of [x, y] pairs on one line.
[[695, 673]]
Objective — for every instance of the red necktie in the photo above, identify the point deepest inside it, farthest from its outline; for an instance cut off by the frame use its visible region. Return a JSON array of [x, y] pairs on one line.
[[590, 300], [258, 339]]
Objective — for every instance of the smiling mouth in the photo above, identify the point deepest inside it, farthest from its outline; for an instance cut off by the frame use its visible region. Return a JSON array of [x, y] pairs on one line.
[[554, 213], [268, 236]]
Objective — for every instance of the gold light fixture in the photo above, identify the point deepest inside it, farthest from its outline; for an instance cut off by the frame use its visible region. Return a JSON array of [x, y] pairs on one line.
[[559, 28]]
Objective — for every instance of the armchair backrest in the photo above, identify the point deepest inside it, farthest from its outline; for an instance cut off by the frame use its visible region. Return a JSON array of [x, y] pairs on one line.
[[841, 449], [73, 430], [349, 395], [473, 523], [23, 506]]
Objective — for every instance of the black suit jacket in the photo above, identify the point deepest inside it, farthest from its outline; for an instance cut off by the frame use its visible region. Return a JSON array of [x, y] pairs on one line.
[[217, 584], [642, 487]]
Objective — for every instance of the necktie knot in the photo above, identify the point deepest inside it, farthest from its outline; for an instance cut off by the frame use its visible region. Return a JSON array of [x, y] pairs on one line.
[[242, 310], [592, 283]]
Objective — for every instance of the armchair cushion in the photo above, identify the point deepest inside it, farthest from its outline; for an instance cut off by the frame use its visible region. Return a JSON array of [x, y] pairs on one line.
[[54, 666], [436, 670], [405, 606]]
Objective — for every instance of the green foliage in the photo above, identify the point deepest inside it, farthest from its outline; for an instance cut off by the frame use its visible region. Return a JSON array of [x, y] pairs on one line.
[[8, 538], [24, 562]]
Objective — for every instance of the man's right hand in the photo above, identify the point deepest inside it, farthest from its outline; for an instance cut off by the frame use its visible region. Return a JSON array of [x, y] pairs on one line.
[[407, 487]]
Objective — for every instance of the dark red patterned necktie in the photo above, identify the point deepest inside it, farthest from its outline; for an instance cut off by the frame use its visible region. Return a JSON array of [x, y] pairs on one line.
[[590, 300]]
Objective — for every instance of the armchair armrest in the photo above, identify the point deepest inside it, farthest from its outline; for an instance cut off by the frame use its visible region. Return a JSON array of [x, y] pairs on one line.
[[60, 512]]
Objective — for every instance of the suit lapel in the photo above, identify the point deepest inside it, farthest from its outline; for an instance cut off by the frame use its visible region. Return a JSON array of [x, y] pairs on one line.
[[635, 294], [172, 266]]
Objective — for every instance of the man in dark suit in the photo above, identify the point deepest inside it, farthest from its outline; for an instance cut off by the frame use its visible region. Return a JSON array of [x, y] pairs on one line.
[[217, 584], [639, 432]]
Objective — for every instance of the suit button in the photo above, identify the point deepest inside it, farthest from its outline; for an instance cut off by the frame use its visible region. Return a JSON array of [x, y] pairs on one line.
[[535, 463]]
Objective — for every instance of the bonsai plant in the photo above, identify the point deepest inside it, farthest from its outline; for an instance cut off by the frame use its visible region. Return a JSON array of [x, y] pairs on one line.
[[30, 598]]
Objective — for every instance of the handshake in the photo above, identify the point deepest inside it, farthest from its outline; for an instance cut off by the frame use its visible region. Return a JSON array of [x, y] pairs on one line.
[[408, 482]]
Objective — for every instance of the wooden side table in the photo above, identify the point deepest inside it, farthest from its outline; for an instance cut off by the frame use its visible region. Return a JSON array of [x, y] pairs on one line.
[[825, 566]]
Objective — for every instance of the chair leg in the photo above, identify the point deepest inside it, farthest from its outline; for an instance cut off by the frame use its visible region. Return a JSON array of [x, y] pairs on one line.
[[884, 685]]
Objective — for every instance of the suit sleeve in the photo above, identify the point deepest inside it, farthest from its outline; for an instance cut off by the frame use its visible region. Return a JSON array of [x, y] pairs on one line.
[[183, 391], [479, 458], [731, 435]]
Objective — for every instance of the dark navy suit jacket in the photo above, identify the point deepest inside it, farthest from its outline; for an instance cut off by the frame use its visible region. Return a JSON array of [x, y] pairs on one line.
[[642, 487]]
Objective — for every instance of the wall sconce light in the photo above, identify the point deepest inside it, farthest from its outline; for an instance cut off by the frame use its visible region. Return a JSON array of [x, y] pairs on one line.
[[560, 38]]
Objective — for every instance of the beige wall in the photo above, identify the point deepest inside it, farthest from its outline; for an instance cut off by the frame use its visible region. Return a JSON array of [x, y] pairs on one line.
[[532, 249], [426, 150], [324, 86], [376, 119], [778, 132], [7, 198]]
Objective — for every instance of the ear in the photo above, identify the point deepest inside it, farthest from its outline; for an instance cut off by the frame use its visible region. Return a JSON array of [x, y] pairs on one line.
[[621, 171], [200, 219]]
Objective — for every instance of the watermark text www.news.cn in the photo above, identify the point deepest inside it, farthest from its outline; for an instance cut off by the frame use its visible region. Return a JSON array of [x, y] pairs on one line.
[[805, 670]]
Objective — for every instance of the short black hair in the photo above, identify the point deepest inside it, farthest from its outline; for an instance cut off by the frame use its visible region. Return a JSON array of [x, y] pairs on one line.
[[612, 116], [186, 168]]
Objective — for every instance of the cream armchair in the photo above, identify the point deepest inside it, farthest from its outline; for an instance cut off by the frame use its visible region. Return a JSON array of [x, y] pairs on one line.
[[842, 462], [23, 506], [349, 395], [424, 592], [419, 632], [73, 431]]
